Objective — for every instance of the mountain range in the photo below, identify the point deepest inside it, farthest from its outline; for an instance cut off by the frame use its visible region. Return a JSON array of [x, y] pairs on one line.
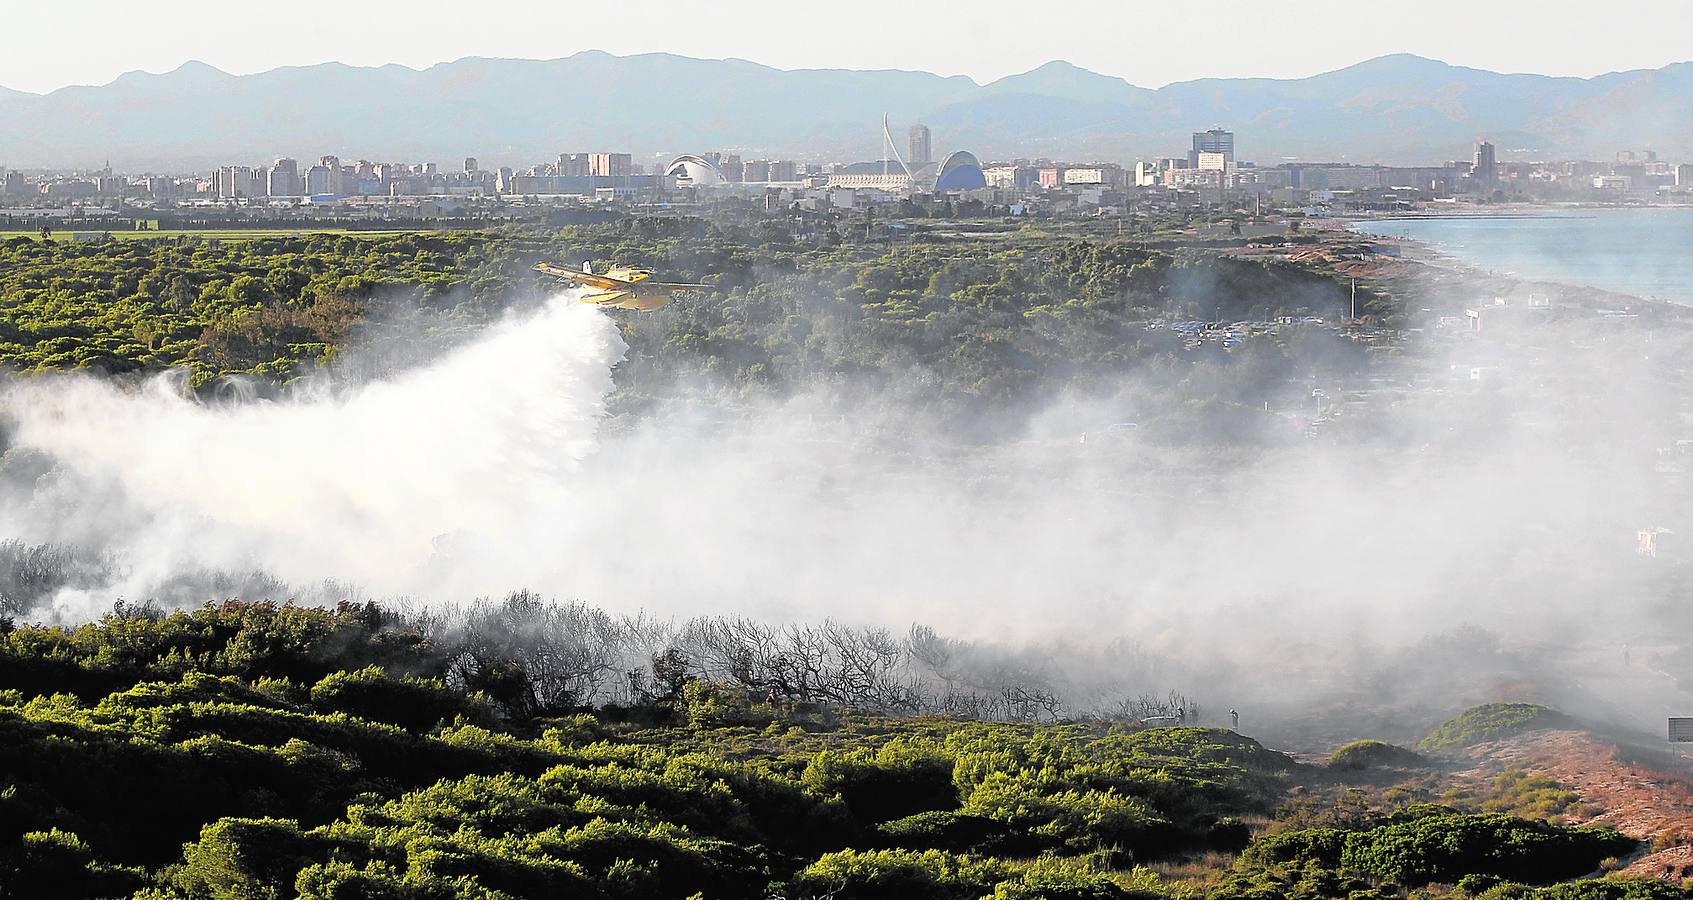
[[1399, 109]]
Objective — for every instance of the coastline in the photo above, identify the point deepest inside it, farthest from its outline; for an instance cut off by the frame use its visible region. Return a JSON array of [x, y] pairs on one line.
[[1513, 211], [1429, 253], [1422, 280]]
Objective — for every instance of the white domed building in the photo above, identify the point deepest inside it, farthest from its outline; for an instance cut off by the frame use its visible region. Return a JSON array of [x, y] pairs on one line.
[[695, 171]]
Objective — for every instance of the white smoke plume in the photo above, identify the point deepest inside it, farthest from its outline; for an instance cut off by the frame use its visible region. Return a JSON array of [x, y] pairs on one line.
[[1442, 498], [360, 485]]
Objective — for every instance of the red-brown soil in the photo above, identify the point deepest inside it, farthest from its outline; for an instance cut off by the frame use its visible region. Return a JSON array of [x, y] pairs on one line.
[[1642, 797]]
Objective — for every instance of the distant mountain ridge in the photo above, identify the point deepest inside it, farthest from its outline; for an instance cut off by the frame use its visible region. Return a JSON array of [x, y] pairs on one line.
[[1399, 109]]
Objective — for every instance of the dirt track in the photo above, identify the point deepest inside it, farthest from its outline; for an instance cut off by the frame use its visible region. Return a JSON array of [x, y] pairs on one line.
[[1628, 791]]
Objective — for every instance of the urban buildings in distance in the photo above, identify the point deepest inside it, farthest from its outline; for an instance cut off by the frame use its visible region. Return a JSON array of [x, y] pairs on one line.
[[1210, 173]]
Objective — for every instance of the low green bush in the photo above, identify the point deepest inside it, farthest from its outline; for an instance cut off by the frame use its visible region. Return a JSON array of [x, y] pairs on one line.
[[415, 704], [898, 779], [1361, 755], [949, 830], [900, 875], [1053, 878], [1446, 848], [1489, 722], [56, 863], [1485, 888]]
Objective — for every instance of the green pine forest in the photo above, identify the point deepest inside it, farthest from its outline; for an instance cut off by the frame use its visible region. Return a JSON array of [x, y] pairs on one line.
[[982, 321]]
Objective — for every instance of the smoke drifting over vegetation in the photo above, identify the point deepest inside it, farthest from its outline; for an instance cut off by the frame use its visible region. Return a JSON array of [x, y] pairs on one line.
[[362, 485], [1113, 542]]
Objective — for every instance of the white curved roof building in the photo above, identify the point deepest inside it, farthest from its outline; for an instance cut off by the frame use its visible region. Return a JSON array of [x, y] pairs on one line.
[[695, 171]]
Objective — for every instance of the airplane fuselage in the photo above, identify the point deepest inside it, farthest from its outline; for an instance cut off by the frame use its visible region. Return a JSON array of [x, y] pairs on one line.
[[622, 287]]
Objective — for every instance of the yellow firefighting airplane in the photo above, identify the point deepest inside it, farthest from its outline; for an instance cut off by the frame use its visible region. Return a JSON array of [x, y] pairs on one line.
[[622, 287]]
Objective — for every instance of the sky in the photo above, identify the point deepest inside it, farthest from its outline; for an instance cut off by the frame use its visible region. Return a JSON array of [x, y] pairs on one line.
[[1149, 44]]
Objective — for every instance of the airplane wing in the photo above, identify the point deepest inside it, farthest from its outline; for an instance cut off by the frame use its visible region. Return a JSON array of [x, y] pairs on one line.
[[618, 299], [673, 286], [585, 279]]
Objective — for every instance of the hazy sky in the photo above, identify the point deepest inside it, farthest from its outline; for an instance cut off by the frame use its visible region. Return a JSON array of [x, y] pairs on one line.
[[1150, 44]]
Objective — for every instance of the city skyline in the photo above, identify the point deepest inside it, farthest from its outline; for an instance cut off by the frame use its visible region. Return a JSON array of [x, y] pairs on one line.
[[1402, 110], [1250, 43], [1209, 170]]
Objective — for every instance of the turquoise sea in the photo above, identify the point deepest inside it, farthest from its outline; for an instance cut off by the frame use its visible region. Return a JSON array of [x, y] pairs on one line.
[[1645, 252]]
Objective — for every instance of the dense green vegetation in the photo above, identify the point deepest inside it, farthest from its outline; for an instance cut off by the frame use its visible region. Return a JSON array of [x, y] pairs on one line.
[[1368, 754], [1429, 844], [987, 319], [262, 307], [255, 751], [1489, 722]]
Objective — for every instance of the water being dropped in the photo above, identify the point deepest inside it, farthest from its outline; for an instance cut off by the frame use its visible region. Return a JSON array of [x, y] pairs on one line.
[[361, 484]]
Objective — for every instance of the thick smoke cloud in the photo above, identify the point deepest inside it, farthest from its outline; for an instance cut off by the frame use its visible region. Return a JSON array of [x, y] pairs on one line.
[[362, 485], [1472, 484]]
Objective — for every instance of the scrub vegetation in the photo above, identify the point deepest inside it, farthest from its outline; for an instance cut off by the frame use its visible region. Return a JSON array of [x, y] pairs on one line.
[[1490, 722], [1369, 754], [989, 321], [248, 750]]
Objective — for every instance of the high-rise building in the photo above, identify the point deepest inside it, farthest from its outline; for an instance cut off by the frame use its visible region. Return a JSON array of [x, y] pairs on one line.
[[1486, 170], [284, 178], [1213, 161], [574, 165], [755, 170], [783, 170], [470, 167], [611, 164], [920, 152], [332, 181], [1214, 141], [235, 182], [318, 180]]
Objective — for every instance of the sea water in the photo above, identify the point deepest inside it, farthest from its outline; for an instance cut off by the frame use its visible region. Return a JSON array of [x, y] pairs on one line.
[[1645, 252]]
